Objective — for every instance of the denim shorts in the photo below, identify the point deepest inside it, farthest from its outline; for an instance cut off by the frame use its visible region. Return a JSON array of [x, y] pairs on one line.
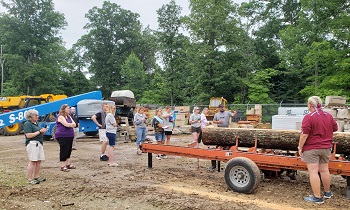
[[111, 139], [159, 136]]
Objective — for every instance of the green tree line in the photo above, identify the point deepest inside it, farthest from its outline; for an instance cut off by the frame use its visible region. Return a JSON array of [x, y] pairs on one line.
[[253, 52]]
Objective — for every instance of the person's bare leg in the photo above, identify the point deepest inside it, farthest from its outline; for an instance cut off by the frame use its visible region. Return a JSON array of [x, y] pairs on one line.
[[36, 169], [111, 154], [314, 178], [67, 163], [325, 176], [30, 169], [104, 147], [167, 142]]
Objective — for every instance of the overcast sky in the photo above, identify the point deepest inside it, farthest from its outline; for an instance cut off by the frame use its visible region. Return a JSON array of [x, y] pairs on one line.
[[75, 10]]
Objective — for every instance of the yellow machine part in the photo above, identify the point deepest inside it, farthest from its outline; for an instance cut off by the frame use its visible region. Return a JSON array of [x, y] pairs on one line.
[[13, 101], [214, 103], [18, 102]]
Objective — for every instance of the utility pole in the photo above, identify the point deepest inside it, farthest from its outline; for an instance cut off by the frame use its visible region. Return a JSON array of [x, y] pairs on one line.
[[2, 71]]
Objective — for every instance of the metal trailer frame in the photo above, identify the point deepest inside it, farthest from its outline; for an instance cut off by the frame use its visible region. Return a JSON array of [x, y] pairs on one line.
[[242, 171]]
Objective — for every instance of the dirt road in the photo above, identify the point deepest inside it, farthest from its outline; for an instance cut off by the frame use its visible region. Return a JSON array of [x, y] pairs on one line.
[[173, 183]]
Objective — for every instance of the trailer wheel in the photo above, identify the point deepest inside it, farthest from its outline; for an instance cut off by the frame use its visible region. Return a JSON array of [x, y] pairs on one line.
[[242, 175]]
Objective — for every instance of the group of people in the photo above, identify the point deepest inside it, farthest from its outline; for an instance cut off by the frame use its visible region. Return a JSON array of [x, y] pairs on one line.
[[107, 132], [66, 132], [163, 127], [315, 141]]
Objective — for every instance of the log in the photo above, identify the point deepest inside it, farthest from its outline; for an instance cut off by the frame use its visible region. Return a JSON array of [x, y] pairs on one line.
[[267, 138]]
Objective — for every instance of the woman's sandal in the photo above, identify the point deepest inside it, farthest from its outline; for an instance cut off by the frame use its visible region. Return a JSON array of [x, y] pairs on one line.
[[64, 169], [70, 166], [139, 152]]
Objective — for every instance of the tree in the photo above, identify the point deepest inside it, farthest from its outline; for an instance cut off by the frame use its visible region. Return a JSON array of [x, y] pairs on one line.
[[172, 51], [219, 43], [114, 33], [134, 76], [30, 31]]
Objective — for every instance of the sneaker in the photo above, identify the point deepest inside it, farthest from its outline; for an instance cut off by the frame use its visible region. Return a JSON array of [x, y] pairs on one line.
[[33, 181], [212, 168], [104, 158], [328, 195], [163, 156], [313, 199], [158, 157], [40, 179]]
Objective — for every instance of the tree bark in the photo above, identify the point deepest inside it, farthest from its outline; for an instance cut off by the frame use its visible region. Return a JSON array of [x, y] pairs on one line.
[[267, 138]]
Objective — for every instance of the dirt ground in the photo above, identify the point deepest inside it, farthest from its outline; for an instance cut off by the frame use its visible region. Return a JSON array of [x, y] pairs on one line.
[[172, 183]]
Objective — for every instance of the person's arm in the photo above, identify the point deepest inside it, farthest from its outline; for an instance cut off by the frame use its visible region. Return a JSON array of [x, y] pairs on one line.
[[110, 118], [36, 133], [145, 119], [216, 121], [192, 121], [64, 122], [94, 118], [78, 124], [137, 119], [234, 113], [302, 141], [166, 114], [158, 124]]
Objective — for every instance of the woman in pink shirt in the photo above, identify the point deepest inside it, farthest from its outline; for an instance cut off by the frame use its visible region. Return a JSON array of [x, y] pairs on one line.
[[315, 146]]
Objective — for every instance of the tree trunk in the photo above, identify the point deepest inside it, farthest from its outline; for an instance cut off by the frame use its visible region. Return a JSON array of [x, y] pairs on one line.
[[267, 138]]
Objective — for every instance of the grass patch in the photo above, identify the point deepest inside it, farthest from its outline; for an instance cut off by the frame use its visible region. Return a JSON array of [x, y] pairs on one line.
[[12, 178]]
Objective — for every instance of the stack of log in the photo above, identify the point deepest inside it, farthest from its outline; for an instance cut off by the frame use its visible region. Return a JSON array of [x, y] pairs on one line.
[[267, 138]]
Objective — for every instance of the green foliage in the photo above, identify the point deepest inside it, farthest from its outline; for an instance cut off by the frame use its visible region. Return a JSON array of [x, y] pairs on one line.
[[133, 76], [32, 46], [256, 52]]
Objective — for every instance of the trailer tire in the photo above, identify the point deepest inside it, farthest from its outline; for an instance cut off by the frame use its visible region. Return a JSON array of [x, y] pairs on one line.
[[242, 175]]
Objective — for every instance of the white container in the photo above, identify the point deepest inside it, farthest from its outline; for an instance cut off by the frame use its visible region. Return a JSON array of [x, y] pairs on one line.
[[343, 113], [284, 122], [293, 111]]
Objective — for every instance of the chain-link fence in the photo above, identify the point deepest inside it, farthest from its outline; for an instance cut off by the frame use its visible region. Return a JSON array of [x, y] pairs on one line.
[[268, 110]]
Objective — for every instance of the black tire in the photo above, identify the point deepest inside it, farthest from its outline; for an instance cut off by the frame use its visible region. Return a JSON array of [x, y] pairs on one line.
[[242, 175], [13, 130], [91, 133]]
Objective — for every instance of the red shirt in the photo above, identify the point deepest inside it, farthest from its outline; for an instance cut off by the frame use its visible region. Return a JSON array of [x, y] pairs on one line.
[[320, 127]]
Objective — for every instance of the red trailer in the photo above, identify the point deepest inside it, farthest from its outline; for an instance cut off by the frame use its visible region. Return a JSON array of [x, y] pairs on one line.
[[242, 171]]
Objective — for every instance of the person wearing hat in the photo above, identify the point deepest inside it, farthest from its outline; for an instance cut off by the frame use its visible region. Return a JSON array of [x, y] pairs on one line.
[[195, 121], [222, 119]]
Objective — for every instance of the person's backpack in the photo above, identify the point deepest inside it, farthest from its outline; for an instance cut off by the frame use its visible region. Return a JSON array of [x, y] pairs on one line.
[[152, 122]]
